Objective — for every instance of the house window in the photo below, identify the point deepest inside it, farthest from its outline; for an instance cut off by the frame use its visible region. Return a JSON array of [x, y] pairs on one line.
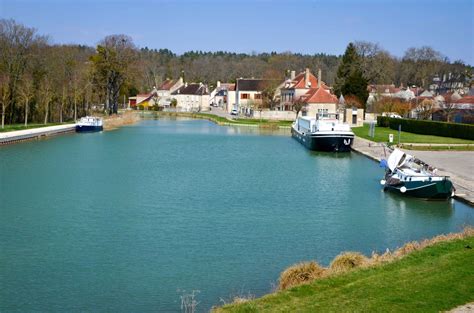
[[244, 96], [257, 96], [323, 112]]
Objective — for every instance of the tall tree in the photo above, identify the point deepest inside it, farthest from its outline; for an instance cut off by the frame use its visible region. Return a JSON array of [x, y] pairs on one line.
[[350, 61], [350, 80], [16, 41], [111, 63]]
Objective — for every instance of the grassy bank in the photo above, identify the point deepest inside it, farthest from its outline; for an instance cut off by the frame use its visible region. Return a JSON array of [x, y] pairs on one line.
[[225, 121], [13, 127], [436, 278], [381, 135]]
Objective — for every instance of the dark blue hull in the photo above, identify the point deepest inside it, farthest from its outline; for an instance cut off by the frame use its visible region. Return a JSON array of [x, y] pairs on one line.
[[85, 128], [436, 190], [324, 142]]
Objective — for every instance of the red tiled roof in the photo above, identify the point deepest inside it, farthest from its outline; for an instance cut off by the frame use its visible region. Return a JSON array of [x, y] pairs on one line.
[[167, 84], [466, 99], [319, 95], [143, 94], [299, 83], [228, 86]]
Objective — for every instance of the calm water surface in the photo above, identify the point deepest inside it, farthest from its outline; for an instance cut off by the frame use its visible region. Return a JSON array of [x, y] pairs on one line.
[[129, 220]]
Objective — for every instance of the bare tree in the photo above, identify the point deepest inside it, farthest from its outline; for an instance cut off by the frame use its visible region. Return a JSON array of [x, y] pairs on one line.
[[26, 93], [298, 105], [16, 41]]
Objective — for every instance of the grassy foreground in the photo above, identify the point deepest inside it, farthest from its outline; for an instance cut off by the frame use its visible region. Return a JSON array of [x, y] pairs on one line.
[[381, 135], [437, 278]]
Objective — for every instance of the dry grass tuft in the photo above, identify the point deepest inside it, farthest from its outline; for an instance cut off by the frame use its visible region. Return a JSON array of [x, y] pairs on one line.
[[300, 274], [347, 261], [306, 272]]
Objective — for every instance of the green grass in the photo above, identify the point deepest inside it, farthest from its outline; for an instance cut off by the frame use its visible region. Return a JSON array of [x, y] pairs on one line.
[[439, 147], [434, 279], [237, 121], [12, 127], [381, 135]]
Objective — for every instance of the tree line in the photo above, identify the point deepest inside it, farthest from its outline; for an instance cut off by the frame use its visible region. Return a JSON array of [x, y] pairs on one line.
[[43, 82]]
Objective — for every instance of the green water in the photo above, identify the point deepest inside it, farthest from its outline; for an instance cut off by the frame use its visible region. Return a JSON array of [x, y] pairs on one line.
[[129, 220]]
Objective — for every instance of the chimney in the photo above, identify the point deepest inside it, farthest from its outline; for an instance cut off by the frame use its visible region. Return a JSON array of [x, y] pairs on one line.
[[306, 78], [319, 77], [185, 85], [218, 84], [292, 75], [181, 80]]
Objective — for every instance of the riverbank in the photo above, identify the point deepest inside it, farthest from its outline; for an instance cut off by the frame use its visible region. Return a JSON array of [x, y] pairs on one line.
[[223, 121], [436, 277], [449, 163], [122, 119], [44, 131], [18, 136]]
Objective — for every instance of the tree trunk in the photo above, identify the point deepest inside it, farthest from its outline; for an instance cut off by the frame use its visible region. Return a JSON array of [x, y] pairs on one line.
[[46, 114], [75, 108], [26, 113], [3, 115]]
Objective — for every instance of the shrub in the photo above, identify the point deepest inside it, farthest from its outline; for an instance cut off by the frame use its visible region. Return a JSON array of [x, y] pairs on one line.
[[382, 121], [141, 107], [346, 261], [454, 130], [299, 274]]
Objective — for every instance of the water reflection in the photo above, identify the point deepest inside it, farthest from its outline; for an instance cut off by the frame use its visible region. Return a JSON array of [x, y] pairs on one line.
[[434, 209]]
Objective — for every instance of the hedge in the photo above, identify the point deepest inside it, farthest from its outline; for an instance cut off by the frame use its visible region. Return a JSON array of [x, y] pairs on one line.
[[443, 129]]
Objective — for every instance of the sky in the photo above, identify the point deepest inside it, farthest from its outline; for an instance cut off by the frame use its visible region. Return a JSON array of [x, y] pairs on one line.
[[300, 26]]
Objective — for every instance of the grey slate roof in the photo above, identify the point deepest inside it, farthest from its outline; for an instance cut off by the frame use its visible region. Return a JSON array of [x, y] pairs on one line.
[[244, 84], [192, 89]]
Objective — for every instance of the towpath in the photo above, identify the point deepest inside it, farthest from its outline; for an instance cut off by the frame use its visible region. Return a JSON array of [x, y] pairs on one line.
[[33, 133], [458, 165]]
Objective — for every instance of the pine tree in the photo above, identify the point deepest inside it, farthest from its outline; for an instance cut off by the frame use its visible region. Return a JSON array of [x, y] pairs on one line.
[[350, 81]]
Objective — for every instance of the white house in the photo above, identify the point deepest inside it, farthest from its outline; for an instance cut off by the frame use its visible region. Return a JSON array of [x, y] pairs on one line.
[[165, 90], [319, 101], [192, 98], [248, 93], [223, 96]]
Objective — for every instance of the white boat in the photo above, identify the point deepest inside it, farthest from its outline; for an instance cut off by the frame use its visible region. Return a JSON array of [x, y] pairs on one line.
[[410, 176], [89, 124], [325, 132]]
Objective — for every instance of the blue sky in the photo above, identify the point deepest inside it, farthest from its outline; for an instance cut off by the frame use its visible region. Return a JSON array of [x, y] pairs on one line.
[[306, 26]]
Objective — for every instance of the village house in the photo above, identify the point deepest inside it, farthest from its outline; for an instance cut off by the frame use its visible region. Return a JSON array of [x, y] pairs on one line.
[[319, 101], [297, 86], [165, 90], [223, 96], [144, 100], [192, 98], [248, 94]]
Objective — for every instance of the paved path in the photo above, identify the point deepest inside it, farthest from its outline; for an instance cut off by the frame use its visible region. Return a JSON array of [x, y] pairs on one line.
[[458, 165], [220, 112], [26, 134]]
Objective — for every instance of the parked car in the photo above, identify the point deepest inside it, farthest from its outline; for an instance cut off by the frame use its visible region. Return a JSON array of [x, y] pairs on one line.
[[234, 112]]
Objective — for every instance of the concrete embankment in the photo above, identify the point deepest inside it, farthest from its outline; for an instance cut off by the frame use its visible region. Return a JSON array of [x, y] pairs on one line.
[[34, 133], [455, 164]]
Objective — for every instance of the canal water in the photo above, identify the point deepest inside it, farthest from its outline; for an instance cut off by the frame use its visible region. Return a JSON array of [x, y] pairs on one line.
[[132, 219]]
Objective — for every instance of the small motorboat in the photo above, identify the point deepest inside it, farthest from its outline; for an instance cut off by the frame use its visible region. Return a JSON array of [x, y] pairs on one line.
[[89, 124], [409, 176]]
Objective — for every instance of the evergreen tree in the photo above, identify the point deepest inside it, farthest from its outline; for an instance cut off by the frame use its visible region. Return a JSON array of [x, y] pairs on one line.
[[350, 81]]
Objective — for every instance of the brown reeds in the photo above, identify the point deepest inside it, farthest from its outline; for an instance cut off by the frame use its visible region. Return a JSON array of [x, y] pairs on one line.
[[347, 261], [300, 273]]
